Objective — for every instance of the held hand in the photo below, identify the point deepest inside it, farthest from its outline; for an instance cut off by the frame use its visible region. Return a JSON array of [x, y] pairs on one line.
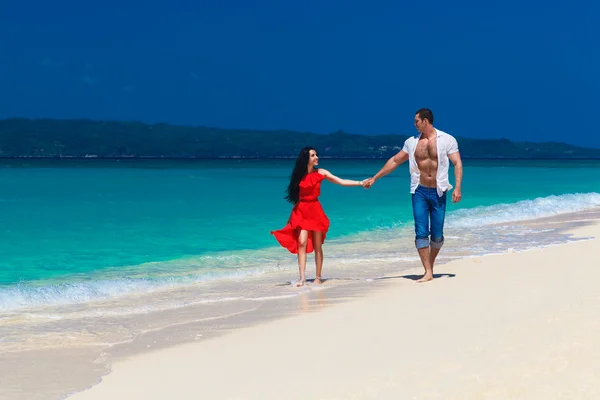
[[367, 183], [456, 195]]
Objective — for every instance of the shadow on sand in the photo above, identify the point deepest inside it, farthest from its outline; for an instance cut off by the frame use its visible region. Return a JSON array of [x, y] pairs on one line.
[[415, 277], [323, 280]]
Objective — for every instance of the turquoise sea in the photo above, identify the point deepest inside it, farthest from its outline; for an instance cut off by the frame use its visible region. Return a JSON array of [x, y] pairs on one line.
[[77, 231]]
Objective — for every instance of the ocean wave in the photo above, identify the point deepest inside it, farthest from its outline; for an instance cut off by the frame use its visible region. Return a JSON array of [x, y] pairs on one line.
[[524, 210], [23, 295], [380, 245]]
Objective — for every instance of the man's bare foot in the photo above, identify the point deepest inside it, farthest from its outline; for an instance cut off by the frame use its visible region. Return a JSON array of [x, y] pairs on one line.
[[425, 278], [317, 281]]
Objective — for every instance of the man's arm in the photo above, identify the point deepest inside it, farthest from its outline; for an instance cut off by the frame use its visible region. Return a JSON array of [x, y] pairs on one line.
[[458, 174], [389, 166]]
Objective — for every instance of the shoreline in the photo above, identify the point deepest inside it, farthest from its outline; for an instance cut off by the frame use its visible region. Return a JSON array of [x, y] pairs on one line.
[[381, 256], [69, 370], [351, 348], [143, 158]]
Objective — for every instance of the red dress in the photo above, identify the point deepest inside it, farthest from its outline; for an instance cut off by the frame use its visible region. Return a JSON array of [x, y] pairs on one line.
[[307, 214]]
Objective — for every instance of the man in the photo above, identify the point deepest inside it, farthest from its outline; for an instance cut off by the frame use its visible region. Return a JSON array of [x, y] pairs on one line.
[[428, 155]]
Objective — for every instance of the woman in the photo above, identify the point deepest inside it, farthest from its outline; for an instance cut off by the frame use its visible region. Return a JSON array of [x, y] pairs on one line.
[[307, 226]]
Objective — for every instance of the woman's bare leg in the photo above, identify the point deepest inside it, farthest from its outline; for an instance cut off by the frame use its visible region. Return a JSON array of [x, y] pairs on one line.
[[302, 240], [318, 246]]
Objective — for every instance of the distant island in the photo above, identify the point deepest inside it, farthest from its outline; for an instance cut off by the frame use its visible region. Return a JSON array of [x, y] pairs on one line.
[[83, 138]]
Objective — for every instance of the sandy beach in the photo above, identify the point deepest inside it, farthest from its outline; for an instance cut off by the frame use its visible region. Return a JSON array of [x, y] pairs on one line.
[[520, 325]]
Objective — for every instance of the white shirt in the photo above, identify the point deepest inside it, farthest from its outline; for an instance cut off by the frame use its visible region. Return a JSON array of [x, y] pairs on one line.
[[446, 144]]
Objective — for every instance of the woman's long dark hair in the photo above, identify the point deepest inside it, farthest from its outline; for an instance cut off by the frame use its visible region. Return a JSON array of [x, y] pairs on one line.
[[300, 169]]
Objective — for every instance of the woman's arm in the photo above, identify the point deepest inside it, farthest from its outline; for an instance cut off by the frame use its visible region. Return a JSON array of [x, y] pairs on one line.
[[334, 179]]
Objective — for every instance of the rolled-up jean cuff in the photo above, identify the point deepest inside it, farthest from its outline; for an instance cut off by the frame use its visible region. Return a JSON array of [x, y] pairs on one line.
[[437, 245], [422, 243]]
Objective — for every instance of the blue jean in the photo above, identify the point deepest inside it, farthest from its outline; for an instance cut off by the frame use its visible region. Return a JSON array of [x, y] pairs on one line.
[[428, 205]]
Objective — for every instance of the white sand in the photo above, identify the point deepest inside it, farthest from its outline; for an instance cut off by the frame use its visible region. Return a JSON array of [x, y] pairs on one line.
[[512, 326]]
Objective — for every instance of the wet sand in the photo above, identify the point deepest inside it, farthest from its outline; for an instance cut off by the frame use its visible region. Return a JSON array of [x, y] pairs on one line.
[[518, 325]]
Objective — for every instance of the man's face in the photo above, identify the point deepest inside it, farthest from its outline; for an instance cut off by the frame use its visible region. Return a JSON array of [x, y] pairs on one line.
[[420, 123]]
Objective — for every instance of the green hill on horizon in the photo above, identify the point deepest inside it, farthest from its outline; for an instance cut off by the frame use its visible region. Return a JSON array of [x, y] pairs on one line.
[[54, 138]]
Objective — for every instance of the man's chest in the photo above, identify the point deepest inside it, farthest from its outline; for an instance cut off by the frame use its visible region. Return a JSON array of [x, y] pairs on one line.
[[426, 149]]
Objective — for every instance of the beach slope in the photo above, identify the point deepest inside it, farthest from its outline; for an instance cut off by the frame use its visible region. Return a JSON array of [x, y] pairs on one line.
[[511, 326]]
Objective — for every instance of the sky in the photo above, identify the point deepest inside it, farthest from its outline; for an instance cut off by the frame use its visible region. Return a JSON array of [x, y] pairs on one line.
[[521, 70]]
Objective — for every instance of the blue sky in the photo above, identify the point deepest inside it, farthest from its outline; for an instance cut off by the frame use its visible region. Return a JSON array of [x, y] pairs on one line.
[[514, 69]]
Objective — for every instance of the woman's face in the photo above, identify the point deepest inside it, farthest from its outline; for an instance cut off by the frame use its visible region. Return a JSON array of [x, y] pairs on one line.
[[313, 159]]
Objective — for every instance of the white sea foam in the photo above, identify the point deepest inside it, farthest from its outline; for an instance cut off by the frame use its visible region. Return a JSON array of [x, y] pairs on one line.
[[373, 250], [524, 210]]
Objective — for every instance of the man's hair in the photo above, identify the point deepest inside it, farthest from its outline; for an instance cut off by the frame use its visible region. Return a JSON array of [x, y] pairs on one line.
[[425, 113]]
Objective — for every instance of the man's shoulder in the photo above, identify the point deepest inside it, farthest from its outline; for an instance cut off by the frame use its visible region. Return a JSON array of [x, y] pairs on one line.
[[442, 133], [446, 138], [447, 141], [411, 139]]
